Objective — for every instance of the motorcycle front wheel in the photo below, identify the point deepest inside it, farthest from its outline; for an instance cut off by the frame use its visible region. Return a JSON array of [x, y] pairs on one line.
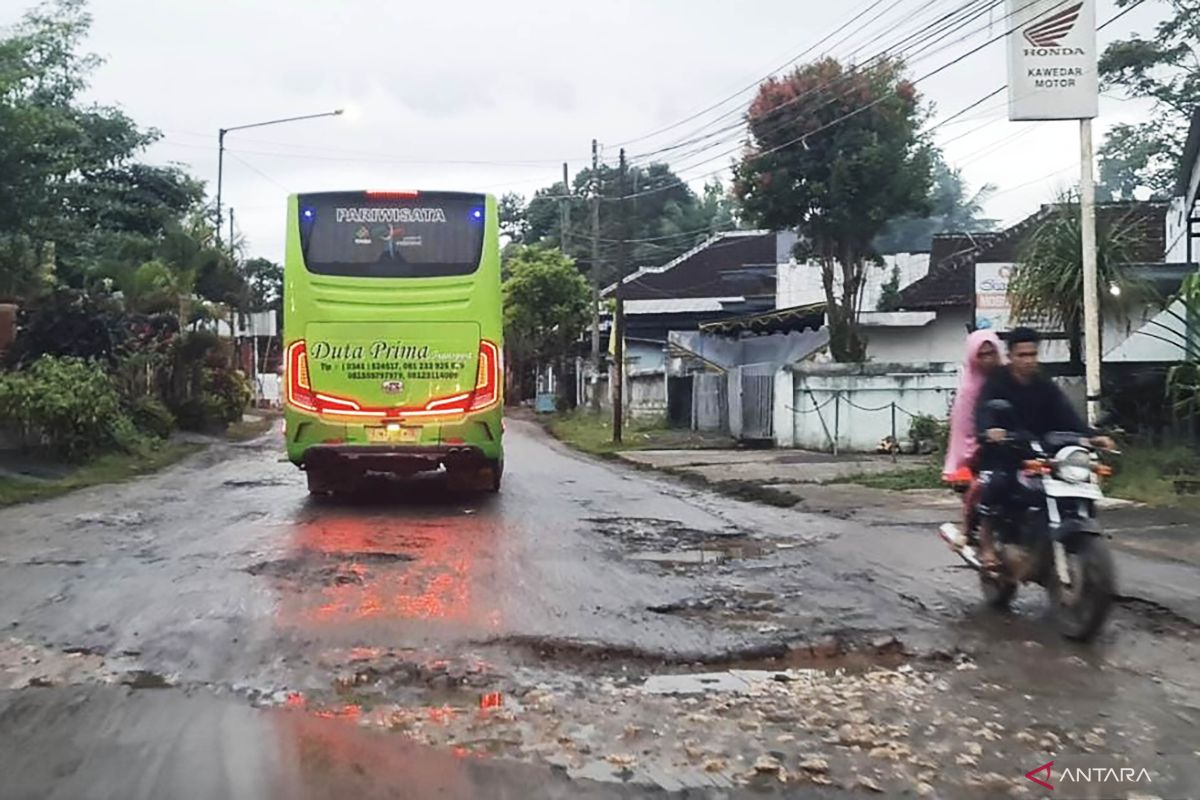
[[1082, 608], [998, 590]]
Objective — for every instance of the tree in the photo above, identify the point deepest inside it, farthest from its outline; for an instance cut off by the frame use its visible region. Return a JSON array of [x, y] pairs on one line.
[[71, 195], [952, 210], [265, 281], [1165, 70], [889, 294], [666, 218], [545, 307], [835, 153], [1047, 283], [513, 222]]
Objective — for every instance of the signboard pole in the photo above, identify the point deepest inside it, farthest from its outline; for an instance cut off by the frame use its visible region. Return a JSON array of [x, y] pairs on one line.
[[1091, 299], [1052, 75]]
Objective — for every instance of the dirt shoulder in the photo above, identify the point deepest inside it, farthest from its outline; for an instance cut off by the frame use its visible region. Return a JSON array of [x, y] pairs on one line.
[[820, 483]]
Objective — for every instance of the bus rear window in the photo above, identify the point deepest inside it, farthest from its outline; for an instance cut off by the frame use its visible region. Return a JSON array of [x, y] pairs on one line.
[[380, 236]]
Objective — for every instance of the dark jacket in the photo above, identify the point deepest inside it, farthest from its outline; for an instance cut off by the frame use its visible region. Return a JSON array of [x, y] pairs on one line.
[[1039, 406]]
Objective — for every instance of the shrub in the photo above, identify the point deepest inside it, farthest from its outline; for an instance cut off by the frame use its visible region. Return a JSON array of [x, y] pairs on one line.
[[67, 405], [152, 417], [70, 322], [206, 392], [928, 434]]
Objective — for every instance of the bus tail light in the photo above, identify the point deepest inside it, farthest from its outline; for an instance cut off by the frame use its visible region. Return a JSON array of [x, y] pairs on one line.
[[301, 395], [299, 384], [385, 195], [488, 377]]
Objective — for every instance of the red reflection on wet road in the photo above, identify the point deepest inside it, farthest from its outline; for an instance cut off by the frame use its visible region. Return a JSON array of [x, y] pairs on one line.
[[331, 755], [352, 567]]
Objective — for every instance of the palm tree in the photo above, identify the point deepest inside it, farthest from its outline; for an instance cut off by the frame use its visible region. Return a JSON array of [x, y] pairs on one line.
[[1047, 283]]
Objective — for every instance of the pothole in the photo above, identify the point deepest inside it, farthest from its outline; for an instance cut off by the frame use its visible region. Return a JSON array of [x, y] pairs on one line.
[[145, 679], [330, 569], [254, 483], [714, 552], [647, 533]]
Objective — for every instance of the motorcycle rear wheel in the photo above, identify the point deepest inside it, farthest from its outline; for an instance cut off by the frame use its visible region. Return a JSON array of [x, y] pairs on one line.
[[1080, 610]]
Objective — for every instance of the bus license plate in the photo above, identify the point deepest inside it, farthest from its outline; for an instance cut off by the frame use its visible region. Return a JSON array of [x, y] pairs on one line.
[[393, 434]]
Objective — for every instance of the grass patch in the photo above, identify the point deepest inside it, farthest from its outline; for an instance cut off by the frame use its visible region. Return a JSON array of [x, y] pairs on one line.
[[593, 434], [1147, 474], [928, 476], [112, 468]]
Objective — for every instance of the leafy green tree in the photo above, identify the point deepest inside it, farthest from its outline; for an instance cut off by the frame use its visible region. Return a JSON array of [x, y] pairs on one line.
[[1047, 283], [545, 308], [1164, 69], [665, 218], [953, 209], [836, 153], [513, 222], [72, 195], [264, 279]]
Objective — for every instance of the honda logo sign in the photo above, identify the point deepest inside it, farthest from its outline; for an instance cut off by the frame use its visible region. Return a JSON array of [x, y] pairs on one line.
[[1052, 60]]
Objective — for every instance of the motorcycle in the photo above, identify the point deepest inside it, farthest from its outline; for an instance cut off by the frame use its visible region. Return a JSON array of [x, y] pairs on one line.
[[1048, 535]]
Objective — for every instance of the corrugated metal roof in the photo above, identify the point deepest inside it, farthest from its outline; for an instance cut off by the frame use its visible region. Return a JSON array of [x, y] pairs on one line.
[[951, 278], [717, 267]]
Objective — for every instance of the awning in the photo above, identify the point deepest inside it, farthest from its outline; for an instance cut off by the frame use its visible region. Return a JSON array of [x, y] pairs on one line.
[[781, 320]]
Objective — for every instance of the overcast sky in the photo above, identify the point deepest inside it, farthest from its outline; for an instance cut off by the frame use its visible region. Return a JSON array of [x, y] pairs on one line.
[[491, 96]]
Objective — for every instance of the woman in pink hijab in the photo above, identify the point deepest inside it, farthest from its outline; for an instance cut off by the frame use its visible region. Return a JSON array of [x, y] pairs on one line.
[[983, 356]]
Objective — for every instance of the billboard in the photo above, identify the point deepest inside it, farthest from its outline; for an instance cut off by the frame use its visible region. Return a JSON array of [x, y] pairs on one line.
[[1052, 60], [992, 311]]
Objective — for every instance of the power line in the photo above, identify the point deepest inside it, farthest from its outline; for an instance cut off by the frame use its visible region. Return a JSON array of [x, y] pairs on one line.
[[874, 103], [923, 38], [255, 169], [753, 85], [851, 55]]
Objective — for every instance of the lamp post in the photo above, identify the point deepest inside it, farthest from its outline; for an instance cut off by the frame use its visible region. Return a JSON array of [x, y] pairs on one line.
[[221, 150], [220, 180]]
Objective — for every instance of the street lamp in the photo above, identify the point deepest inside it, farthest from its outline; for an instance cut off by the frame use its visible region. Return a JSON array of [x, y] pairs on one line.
[[221, 149]]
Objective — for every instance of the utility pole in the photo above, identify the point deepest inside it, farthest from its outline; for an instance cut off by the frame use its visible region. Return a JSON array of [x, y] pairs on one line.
[[619, 317], [1091, 299], [566, 210], [220, 178], [236, 316], [595, 275]]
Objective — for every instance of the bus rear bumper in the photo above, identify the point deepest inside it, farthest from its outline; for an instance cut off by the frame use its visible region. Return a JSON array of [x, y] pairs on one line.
[[394, 460]]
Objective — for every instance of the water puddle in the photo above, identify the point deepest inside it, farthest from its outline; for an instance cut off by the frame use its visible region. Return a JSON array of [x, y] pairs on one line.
[[709, 553], [145, 679]]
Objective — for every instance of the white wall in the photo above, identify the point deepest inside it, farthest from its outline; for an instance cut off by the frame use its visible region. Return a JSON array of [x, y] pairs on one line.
[[643, 356], [800, 284], [1135, 340], [1177, 232], [647, 395], [855, 403], [725, 352], [942, 341]]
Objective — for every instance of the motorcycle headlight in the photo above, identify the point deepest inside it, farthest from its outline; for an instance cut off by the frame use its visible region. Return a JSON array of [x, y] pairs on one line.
[[1076, 467]]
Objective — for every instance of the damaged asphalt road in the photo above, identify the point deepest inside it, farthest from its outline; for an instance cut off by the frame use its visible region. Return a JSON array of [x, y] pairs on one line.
[[593, 631]]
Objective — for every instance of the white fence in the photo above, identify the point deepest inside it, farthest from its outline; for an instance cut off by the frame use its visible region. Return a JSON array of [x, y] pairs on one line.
[[836, 407]]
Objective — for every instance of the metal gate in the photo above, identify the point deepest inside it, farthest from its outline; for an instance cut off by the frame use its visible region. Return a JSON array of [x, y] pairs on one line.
[[758, 402], [710, 402]]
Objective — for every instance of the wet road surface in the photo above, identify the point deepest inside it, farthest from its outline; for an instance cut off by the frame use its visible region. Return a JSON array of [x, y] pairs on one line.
[[214, 632]]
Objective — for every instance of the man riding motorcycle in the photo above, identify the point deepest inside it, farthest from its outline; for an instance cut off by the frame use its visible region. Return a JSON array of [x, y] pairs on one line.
[[1037, 406]]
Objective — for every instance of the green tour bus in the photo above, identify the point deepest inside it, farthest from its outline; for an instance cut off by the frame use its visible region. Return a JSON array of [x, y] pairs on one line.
[[393, 337]]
